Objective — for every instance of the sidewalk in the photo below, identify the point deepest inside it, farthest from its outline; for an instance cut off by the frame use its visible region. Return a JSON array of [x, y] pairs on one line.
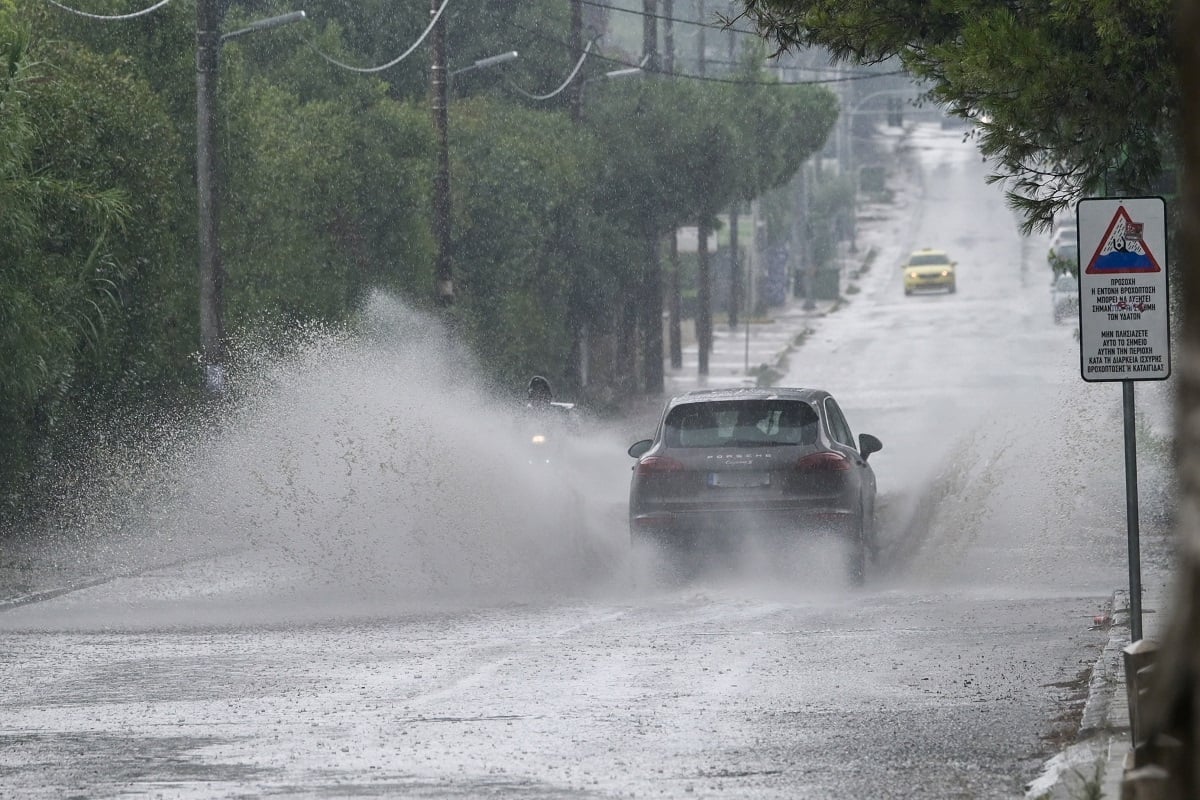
[[753, 354], [1097, 761]]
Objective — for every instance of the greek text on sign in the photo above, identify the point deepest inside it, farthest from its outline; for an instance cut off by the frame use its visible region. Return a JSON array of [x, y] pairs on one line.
[[1123, 322]]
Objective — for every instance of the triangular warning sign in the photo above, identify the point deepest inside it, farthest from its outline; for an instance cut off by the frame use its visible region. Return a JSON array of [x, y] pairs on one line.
[[1122, 249]]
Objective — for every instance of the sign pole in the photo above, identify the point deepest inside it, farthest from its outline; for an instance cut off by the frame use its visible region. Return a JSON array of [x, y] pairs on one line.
[[1131, 515], [1124, 325]]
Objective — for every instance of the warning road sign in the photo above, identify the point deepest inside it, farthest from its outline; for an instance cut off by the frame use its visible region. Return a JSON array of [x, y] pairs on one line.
[[1122, 248], [1124, 326]]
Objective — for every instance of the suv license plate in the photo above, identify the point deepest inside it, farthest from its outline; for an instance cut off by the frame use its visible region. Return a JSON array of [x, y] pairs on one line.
[[738, 480]]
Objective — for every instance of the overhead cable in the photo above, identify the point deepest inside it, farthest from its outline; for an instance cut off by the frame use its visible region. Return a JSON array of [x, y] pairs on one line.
[[721, 26], [109, 17], [578, 65], [437, 15], [713, 79]]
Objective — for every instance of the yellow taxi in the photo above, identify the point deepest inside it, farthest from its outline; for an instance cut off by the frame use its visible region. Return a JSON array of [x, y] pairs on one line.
[[928, 269]]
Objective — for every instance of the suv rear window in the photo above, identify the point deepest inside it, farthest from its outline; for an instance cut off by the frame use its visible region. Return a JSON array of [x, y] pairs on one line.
[[741, 423]]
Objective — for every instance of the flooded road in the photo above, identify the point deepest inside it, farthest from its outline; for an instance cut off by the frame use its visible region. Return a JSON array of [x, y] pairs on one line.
[[387, 617]]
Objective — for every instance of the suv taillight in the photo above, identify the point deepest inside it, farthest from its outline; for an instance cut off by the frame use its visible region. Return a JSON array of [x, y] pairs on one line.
[[658, 465], [823, 462]]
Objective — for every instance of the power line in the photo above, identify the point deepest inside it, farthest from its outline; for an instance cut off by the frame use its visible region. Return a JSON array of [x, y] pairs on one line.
[[710, 78], [109, 17], [717, 25], [437, 15], [578, 65]]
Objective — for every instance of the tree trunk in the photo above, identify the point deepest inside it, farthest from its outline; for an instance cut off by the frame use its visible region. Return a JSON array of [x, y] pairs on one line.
[[675, 306], [627, 336], [1175, 702], [735, 268], [652, 322]]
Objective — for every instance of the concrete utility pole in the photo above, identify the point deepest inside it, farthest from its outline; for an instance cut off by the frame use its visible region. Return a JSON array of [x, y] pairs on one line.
[[443, 266], [650, 35], [212, 270], [703, 296], [576, 87], [652, 288], [668, 37], [703, 266], [674, 290]]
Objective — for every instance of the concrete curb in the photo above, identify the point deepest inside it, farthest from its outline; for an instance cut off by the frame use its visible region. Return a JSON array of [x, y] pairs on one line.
[[1094, 762], [1095, 766]]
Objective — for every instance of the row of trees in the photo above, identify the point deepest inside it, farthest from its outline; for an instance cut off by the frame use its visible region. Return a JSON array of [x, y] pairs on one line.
[[1069, 98], [558, 219]]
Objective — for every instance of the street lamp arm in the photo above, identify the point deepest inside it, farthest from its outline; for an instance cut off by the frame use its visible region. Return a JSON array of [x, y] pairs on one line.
[[490, 61], [621, 73], [265, 24]]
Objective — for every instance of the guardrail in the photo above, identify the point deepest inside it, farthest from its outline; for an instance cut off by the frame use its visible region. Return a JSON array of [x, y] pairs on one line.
[[1153, 756]]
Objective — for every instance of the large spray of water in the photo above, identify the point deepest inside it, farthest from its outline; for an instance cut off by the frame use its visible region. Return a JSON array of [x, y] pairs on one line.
[[365, 468]]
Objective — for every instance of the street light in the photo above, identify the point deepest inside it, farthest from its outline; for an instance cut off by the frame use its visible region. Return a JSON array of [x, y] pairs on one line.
[[212, 271], [621, 73], [439, 80], [631, 72], [490, 61]]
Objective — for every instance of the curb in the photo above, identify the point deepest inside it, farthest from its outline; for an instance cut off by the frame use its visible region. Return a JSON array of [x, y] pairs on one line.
[[1095, 763]]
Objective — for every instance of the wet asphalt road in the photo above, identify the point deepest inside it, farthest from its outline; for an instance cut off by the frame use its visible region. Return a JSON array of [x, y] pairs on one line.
[[345, 650]]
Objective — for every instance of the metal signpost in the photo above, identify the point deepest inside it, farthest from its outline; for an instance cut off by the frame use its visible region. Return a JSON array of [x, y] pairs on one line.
[[1124, 324]]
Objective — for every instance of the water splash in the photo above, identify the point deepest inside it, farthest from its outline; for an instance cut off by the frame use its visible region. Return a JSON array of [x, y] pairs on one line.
[[364, 467]]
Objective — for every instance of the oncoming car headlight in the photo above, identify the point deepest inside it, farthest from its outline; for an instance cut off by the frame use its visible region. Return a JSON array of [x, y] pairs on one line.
[[538, 438]]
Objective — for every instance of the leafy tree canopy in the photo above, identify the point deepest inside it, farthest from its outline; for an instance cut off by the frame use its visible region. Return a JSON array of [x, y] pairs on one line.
[[1069, 97]]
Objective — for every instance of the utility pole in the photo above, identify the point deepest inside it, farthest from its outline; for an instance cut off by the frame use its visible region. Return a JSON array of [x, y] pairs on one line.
[[703, 296], [577, 359], [650, 35], [703, 267], [674, 290], [735, 267], [652, 289], [444, 271], [212, 270], [668, 37], [576, 87]]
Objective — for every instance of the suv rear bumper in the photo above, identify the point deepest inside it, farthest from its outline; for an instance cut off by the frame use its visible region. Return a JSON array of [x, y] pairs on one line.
[[727, 529]]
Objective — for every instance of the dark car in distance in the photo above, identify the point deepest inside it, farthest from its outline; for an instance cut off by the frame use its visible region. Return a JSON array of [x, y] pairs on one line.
[[726, 464]]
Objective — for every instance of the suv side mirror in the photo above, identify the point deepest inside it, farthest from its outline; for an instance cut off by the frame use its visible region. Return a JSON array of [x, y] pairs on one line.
[[639, 448], [868, 444]]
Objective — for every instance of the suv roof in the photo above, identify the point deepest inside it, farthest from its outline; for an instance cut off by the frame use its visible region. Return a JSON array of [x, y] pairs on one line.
[[771, 393]]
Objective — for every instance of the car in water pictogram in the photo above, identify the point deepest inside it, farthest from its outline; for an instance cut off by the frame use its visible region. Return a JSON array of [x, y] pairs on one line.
[[778, 465], [927, 270]]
